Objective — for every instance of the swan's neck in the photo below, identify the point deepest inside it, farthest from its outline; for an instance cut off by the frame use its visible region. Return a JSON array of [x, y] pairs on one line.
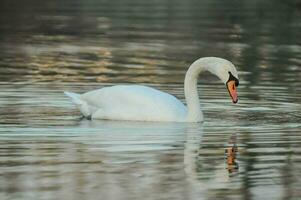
[[210, 64], [194, 113]]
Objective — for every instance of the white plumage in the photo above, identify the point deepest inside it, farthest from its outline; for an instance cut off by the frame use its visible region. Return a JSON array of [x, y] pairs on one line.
[[142, 103]]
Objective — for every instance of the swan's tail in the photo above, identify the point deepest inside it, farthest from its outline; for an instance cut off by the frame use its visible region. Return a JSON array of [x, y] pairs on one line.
[[75, 98], [81, 104]]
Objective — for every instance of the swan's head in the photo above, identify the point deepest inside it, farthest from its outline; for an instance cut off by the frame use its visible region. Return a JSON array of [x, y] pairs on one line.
[[232, 84], [226, 71], [228, 74]]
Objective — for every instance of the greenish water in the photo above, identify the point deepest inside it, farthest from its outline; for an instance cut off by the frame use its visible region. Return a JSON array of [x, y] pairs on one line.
[[47, 151]]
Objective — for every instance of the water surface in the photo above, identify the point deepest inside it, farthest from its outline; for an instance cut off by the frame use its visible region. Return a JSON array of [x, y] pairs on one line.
[[47, 151]]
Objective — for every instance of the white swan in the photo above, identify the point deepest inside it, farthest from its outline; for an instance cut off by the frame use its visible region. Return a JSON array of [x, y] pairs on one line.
[[141, 103]]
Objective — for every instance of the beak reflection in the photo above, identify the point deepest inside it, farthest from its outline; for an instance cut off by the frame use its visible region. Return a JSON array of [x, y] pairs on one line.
[[231, 155]]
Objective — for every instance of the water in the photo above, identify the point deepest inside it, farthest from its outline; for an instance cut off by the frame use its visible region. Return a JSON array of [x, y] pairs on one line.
[[47, 151]]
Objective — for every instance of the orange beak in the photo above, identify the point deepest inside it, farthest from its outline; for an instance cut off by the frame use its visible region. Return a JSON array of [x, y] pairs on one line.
[[232, 90]]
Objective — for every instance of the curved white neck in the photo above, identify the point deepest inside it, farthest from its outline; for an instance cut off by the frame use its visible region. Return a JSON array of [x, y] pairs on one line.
[[194, 113], [210, 64]]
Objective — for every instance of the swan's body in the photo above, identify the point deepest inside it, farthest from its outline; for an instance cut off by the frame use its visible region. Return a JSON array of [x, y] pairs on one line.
[[132, 102], [141, 103]]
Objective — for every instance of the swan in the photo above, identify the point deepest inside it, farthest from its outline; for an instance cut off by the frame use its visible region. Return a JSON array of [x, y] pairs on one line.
[[142, 103]]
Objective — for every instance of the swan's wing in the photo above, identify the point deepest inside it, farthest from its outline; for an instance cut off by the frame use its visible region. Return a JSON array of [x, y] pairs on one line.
[[135, 103]]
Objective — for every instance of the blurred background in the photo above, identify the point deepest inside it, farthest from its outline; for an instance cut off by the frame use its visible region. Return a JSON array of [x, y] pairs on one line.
[[48, 152], [144, 41]]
